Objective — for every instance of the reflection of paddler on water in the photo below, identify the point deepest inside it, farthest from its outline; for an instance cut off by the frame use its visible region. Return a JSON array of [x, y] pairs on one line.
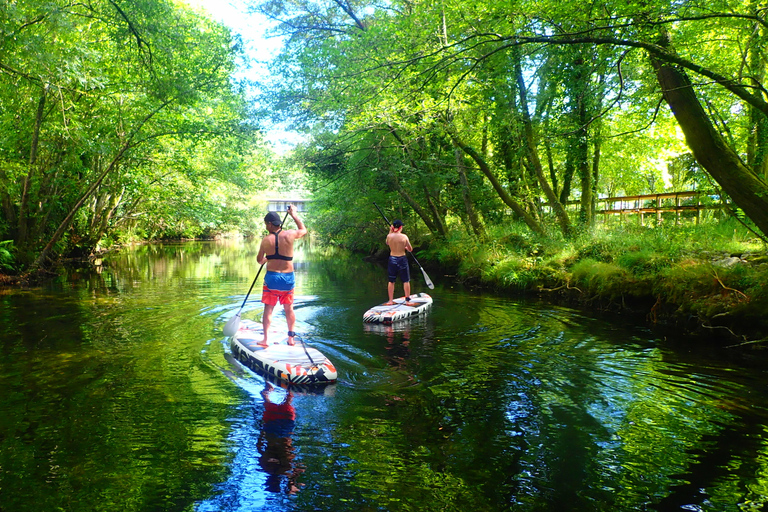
[[398, 341], [398, 353], [275, 444]]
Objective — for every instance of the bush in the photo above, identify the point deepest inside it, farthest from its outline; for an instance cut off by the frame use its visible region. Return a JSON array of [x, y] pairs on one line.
[[8, 263], [643, 261], [601, 279]]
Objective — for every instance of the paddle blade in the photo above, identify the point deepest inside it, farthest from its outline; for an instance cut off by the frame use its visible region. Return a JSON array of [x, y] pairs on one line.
[[232, 325], [428, 280]]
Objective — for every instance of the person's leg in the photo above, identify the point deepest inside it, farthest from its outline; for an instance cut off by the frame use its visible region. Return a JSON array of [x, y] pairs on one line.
[[266, 319], [405, 276], [290, 318], [392, 271]]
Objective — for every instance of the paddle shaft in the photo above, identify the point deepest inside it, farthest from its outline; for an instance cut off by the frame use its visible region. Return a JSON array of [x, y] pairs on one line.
[[251, 288], [426, 277]]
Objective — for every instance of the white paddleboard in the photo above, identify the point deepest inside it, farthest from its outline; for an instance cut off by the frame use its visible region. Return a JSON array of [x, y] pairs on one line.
[[388, 313], [297, 364]]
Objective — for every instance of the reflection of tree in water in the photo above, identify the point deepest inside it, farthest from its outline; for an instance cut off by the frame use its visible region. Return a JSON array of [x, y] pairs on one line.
[[275, 444]]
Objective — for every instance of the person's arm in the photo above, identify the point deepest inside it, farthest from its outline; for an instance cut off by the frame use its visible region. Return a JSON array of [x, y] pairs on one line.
[[408, 244], [261, 256], [301, 229]]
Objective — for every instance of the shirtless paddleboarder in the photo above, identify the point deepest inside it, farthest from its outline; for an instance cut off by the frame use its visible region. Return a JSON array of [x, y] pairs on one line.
[[398, 260]]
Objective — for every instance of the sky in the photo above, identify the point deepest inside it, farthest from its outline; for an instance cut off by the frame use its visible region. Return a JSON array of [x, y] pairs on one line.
[[258, 48]]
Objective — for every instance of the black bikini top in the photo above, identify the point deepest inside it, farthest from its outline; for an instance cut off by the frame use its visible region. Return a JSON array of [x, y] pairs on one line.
[[277, 255]]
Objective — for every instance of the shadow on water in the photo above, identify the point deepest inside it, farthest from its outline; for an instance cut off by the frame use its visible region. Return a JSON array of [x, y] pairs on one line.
[[120, 393]]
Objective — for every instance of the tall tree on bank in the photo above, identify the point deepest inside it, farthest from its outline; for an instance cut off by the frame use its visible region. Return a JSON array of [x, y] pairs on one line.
[[399, 61], [92, 92]]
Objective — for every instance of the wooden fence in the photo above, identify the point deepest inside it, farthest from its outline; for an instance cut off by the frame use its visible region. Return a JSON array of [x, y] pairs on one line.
[[653, 204], [656, 204]]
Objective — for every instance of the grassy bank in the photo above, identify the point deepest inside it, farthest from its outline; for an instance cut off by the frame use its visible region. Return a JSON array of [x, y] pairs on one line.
[[708, 278]]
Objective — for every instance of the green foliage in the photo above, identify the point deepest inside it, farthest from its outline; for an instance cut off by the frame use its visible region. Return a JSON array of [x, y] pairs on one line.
[[389, 93], [606, 280], [643, 261], [7, 259], [680, 266], [140, 128]]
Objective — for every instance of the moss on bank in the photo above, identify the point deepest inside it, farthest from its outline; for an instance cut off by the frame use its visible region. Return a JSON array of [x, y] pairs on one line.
[[699, 278]]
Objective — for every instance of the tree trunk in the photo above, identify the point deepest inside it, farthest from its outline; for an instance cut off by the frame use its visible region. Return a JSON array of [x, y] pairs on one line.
[[436, 224], [6, 203], [533, 155], [582, 163], [757, 145], [500, 190], [416, 208], [747, 190], [597, 144], [22, 233], [568, 172], [42, 258], [474, 221], [436, 214]]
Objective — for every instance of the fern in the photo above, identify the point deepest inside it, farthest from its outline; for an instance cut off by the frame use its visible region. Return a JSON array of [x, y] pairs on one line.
[[7, 259]]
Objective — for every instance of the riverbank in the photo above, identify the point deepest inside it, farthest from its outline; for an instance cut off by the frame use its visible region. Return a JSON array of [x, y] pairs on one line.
[[710, 280]]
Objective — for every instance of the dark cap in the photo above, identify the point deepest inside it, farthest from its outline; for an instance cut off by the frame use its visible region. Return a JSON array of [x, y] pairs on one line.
[[397, 223], [273, 218]]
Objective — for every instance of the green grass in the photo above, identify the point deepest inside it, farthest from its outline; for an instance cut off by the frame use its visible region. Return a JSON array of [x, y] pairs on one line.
[[680, 267]]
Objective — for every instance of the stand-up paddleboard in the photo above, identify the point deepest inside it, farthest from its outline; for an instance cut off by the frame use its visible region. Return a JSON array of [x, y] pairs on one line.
[[295, 364], [402, 308]]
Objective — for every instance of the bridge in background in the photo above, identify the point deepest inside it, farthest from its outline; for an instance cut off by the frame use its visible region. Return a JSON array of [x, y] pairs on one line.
[[281, 205]]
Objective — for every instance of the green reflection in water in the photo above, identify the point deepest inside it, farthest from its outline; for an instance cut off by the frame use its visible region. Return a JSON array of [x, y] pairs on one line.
[[118, 395], [108, 403]]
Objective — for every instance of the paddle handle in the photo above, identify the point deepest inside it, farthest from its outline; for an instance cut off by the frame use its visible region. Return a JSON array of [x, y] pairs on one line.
[[382, 214]]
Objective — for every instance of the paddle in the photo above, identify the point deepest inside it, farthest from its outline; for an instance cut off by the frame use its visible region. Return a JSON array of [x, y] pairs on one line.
[[304, 346], [426, 277], [233, 324]]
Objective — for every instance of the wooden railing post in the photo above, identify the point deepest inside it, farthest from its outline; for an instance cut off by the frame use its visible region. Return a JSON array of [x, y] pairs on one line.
[[658, 210]]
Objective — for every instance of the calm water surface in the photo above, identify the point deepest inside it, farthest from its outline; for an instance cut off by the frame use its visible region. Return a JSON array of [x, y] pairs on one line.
[[119, 394]]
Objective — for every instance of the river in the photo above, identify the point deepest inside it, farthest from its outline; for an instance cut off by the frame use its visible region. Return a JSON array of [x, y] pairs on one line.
[[119, 393]]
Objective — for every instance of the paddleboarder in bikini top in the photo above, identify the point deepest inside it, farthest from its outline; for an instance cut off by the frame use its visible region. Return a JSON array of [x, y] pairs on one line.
[[276, 251], [397, 265]]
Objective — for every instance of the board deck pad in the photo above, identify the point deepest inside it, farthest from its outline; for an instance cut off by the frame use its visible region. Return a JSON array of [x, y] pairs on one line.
[[297, 364], [417, 304]]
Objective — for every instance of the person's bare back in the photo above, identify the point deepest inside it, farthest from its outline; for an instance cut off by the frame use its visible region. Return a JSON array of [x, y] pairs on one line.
[[398, 243]]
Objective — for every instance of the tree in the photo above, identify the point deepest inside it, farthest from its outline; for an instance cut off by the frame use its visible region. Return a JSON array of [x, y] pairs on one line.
[[600, 72], [93, 92]]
